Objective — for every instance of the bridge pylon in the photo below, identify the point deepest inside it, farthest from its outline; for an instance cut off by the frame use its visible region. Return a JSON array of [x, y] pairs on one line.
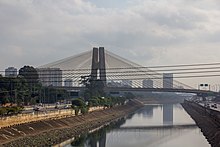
[[98, 65]]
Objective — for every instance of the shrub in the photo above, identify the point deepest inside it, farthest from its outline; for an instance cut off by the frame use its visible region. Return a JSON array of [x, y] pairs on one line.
[[11, 110], [84, 110]]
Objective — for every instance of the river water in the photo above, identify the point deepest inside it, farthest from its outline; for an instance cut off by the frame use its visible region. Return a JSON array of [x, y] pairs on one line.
[[165, 125]]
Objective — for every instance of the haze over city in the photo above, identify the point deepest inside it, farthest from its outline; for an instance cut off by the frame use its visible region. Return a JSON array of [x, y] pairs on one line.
[[110, 73], [148, 32]]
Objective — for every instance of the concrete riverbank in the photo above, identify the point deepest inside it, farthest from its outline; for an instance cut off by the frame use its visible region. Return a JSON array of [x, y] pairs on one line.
[[8, 121], [53, 131], [208, 121]]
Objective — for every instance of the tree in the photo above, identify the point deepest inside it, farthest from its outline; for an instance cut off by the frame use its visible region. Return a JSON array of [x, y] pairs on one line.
[[78, 102], [95, 87], [22, 92], [30, 74]]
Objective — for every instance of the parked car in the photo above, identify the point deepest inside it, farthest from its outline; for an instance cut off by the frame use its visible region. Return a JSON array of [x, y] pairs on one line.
[[37, 108], [66, 107]]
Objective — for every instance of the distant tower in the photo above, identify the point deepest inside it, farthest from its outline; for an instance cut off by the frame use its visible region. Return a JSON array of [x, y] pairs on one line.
[[98, 64], [102, 69], [148, 83], [50, 76], [167, 80], [10, 72]]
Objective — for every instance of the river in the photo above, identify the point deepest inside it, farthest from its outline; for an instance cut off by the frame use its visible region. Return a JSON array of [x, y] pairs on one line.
[[165, 125]]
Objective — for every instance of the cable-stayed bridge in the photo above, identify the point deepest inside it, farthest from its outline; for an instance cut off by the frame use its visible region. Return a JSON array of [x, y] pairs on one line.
[[117, 74]]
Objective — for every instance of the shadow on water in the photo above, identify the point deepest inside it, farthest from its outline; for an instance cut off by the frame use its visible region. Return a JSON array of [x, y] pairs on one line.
[[97, 137]]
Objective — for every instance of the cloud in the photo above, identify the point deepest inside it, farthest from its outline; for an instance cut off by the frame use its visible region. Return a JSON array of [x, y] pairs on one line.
[[152, 32]]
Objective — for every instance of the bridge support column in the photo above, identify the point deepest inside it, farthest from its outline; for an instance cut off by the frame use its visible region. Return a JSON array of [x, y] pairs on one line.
[[102, 69], [98, 64], [95, 64]]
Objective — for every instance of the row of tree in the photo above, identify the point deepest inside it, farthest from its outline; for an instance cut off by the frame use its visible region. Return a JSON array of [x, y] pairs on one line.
[[94, 96], [27, 89], [82, 105]]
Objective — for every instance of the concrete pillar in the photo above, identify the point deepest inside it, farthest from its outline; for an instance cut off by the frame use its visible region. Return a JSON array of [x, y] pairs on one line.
[[95, 63], [102, 69]]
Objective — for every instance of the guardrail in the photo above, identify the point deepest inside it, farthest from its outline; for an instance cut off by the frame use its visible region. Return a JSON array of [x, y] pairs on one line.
[[213, 114]]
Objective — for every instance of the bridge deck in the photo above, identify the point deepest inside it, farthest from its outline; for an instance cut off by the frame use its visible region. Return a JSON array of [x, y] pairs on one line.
[[181, 126]]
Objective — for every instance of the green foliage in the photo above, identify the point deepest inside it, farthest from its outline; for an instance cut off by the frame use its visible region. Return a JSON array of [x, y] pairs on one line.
[[3, 111], [76, 108], [84, 110], [51, 94], [78, 102], [5, 100], [95, 88], [25, 89], [11, 110], [30, 74], [93, 102], [13, 89]]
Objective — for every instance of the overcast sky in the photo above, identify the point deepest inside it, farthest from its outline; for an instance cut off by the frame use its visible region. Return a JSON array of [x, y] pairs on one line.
[[148, 32]]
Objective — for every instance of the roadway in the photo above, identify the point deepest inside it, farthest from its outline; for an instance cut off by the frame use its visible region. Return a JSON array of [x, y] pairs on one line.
[[129, 89], [45, 108], [210, 105]]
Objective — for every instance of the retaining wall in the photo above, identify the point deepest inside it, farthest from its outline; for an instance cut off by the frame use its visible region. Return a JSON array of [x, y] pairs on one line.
[[39, 115], [53, 131], [208, 120]]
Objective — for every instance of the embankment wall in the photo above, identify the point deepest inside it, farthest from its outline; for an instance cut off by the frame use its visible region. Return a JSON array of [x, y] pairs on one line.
[[38, 115], [208, 120], [54, 131]]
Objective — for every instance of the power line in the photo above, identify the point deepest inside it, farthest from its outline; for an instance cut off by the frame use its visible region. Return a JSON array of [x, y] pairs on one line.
[[125, 73], [135, 71], [142, 78], [148, 67]]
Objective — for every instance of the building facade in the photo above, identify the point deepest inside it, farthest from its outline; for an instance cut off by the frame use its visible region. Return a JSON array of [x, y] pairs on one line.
[[11, 72], [68, 82], [50, 76], [167, 80]]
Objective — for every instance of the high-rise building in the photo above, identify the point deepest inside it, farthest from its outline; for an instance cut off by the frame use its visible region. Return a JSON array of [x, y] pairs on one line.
[[167, 80], [68, 82], [148, 83], [50, 76], [11, 72]]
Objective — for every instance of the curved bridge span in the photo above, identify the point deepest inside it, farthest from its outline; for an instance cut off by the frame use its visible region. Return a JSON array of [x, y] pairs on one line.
[[131, 89]]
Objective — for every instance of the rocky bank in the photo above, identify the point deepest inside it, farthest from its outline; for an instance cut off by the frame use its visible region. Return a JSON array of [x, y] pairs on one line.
[[54, 131]]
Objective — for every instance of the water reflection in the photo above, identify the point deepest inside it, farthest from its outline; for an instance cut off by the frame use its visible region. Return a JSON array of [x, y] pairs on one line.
[[145, 128], [97, 138], [168, 114], [148, 112]]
